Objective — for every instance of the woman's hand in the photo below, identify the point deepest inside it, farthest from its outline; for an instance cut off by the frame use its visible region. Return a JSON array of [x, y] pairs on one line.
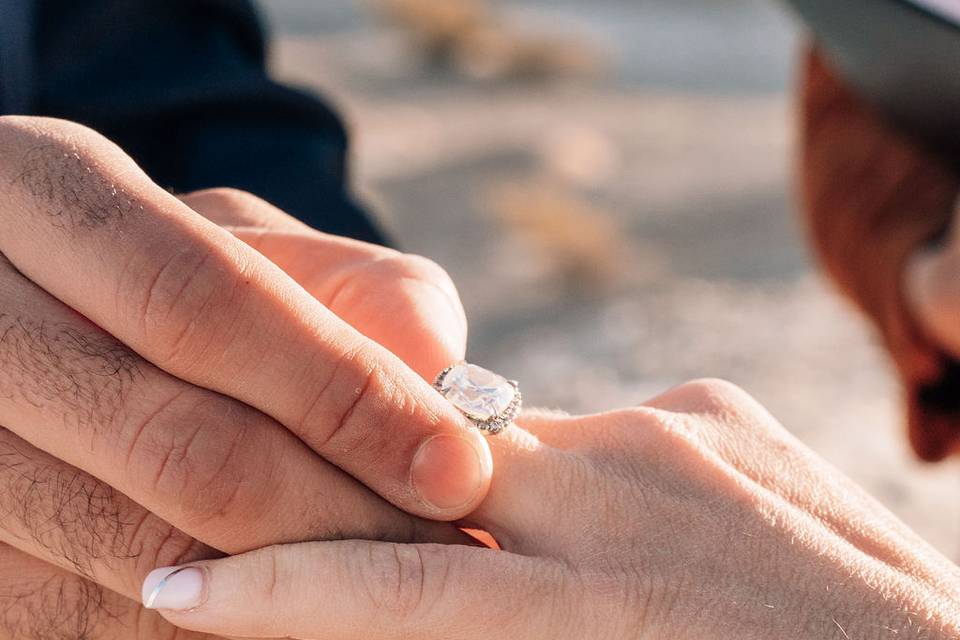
[[694, 517]]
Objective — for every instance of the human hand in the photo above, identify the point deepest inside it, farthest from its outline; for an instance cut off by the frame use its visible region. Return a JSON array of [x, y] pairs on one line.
[[85, 228], [875, 199], [403, 302], [693, 517]]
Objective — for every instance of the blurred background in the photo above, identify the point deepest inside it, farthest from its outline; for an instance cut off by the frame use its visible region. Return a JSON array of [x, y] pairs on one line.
[[609, 183]]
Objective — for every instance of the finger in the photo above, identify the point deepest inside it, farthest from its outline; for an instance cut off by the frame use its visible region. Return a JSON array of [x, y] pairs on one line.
[[207, 464], [65, 517], [235, 208], [86, 224], [41, 602], [377, 591], [556, 429], [405, 303], [531, 483], [53, 515]]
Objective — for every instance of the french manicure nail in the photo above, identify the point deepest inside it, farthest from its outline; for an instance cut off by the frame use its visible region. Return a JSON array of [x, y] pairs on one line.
[[175, 588], [448, 472]]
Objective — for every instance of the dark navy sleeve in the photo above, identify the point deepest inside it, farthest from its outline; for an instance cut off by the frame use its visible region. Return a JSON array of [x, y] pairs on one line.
[[181, 85], [16, 60]]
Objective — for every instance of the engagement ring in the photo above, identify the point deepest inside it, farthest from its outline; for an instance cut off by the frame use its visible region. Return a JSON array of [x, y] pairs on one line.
[[489, 400]]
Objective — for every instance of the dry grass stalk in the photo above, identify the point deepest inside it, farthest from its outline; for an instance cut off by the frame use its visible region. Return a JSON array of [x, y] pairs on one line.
[[470, 37], [583, 241]]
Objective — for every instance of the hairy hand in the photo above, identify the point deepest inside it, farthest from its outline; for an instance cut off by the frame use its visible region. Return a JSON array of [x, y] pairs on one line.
[[695, 517], [170, 393]]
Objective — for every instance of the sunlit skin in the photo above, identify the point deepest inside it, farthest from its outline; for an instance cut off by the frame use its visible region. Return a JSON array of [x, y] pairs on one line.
[[91, 422], [693, 517], [405, 303]]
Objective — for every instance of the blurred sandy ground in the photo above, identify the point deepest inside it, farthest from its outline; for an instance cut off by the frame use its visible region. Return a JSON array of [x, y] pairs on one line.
[[622, 222]]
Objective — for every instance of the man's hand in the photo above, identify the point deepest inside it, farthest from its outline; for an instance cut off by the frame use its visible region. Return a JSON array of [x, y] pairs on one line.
[[148, 357], [694, 517], [41, 602], [405, 303]]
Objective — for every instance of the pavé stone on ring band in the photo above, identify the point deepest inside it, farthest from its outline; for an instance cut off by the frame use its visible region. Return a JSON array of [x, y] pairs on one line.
[[488, 400]]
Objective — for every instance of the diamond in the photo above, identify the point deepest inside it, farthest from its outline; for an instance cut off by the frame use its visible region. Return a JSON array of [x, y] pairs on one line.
[[479, 393]]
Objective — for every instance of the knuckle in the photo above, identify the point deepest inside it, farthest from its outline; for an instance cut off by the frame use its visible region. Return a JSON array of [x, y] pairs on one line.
[[708, 413], [707, 396], [406, 288], [408, 265], [186, 303], [561, 595], [729, 408], [714, 391], [385, 268], [390, 266], [395, 579], [198, 451], [355, 404], [621, 428], [271, 576]]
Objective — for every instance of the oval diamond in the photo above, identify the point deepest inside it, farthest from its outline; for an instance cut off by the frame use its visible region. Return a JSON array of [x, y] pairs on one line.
[[477, 392]]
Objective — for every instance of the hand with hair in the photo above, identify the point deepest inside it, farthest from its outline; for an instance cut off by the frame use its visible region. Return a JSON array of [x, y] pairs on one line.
[[173, 390], [693, 517]]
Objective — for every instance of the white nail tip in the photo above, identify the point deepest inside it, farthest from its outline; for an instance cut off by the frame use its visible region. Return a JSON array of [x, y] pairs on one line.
[[177, 588]]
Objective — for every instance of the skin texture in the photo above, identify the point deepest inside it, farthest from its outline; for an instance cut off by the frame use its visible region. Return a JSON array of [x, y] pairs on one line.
[[111, 464], [88, 227], [695, 517]]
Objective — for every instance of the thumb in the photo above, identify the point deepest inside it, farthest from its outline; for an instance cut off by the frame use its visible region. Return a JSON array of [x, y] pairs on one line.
[[358, 589]]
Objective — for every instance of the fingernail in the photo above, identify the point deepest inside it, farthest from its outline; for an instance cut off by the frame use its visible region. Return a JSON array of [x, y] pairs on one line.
[[449, 471], [176, 588]]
